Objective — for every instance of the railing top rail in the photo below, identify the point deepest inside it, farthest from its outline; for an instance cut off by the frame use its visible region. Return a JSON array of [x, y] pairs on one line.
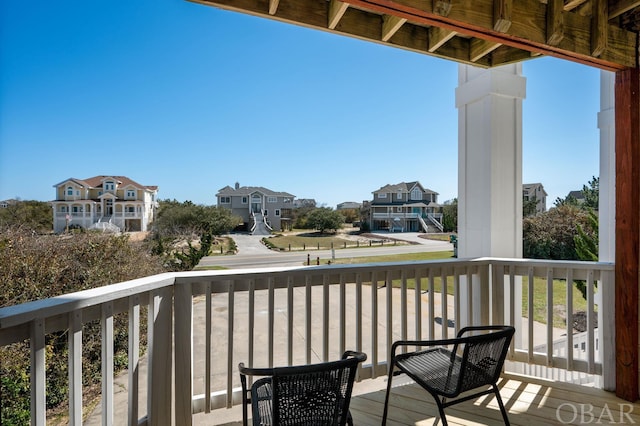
[[15, 315]]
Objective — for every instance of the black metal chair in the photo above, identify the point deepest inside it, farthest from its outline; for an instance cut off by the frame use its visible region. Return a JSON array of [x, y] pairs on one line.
[[317, 394], [447, 368]]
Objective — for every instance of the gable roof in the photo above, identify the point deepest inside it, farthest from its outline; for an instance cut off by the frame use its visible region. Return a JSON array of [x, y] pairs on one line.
[[97, 182], [404, 187], [248, 190]]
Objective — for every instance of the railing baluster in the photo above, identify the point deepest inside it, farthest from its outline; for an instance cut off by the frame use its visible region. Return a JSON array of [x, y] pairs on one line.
[[106, 327], [590, 324], [307, 311], [271, 319], [456, 299], [388, 286], [549, 317], [343, 314], [432, 304], [183, 332], [230, 327], [512, 306], [530, 314], [160, 406], [444, 308], [75, 367], [403, 304], [325, 317], [252, 320], [359, 338], [290, 320], [207, 347], [134, 359], [418, 304], [374, 323], [38, 373], [569, 328]]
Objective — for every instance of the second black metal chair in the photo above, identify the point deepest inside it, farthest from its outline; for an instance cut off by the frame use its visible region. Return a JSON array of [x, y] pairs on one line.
[[446, 368], [317, 394]]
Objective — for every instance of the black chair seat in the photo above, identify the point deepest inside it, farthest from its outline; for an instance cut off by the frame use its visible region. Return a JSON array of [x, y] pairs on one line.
[[449, 367]]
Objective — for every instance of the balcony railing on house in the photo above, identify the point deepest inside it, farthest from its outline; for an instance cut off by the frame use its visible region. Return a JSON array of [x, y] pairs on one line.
[[201, 324]]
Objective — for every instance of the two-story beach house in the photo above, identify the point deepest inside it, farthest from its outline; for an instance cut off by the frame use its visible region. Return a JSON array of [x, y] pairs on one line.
[[535, 191], [115, 203], [404, 207], [257, 205]]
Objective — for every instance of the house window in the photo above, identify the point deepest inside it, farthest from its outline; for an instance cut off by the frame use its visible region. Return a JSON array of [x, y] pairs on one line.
[[109, 186], [277, 212], [272, 199], [131, 193], [131, 209], [382, 195], [70, 191], [416, 194], [399, 195], [225, 200], [245, 200], [63, 209]]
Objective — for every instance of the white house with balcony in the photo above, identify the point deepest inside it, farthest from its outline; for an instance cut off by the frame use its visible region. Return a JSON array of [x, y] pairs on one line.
[[116, 203]]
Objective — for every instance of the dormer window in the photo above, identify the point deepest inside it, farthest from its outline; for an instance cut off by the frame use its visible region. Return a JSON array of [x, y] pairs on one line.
[[131, 193], [416, 194], [109, 186], [70, 191]]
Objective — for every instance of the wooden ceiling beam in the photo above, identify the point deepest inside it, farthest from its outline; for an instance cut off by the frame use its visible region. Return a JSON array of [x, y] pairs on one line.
[[528, 30], [467, 18], [273, 6], [438, 37], [336, 11], [390, 25], [599, 27], [555, 22], [618, 7]]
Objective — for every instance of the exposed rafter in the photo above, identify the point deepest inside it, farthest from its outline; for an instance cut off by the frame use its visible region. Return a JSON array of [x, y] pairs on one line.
[[486, 33]]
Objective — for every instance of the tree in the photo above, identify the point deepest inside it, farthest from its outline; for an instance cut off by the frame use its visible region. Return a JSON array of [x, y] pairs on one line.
[[587, 245], [32, 215], [529, 206], [590, 196], [551, 235], [324, 219], [450, 215]]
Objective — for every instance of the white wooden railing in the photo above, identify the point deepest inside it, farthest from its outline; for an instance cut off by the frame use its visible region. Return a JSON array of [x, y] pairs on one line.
[[201, 324]]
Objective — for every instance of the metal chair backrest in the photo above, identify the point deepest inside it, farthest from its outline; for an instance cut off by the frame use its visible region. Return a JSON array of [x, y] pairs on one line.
[[483, 355]]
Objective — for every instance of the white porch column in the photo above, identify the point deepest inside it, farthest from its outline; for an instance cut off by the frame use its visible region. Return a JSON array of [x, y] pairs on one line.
[[605, 297], [489, 106]]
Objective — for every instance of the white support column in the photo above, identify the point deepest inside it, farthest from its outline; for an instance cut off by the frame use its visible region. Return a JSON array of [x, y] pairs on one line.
[[489, 106], [605, 297]]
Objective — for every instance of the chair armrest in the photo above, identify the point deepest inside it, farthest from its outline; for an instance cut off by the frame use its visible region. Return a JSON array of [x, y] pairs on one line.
[[360, 356], [250, 371], [425, 343]]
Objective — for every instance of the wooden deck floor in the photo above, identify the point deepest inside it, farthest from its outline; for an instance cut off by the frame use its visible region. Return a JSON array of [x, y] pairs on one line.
[[529, 402]]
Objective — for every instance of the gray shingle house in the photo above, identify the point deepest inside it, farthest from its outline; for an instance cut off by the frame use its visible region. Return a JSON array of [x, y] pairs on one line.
[[257, 205]]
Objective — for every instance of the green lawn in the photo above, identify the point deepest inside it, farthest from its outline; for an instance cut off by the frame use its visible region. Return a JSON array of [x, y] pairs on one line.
[[311, 241]]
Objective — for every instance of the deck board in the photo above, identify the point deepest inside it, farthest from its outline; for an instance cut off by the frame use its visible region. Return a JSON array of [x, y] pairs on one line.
[[529, 402]]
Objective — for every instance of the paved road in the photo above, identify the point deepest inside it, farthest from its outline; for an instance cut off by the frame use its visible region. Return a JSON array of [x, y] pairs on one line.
[[252, 253]]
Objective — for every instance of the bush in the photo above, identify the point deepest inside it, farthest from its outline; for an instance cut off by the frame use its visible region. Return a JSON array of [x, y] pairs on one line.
[[37, 267], [551, 235]]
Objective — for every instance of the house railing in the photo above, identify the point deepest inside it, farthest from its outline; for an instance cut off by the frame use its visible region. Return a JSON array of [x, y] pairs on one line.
[[202, 323]]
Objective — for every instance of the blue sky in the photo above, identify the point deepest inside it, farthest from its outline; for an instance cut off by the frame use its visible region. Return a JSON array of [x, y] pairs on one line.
[[192, 98]]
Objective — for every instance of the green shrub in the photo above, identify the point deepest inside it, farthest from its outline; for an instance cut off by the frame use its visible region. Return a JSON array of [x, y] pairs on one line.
[[37, 267]]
